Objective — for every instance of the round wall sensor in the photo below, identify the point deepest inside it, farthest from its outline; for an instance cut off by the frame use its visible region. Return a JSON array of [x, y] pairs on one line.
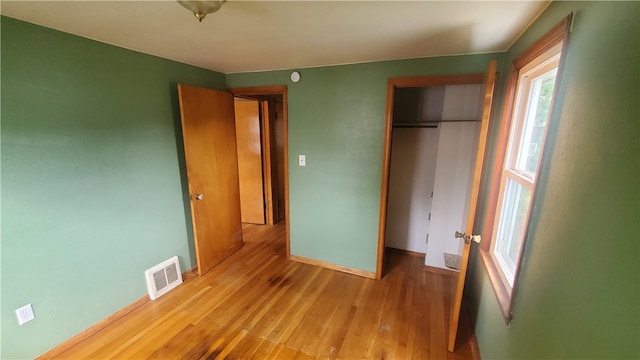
[[295, 76]]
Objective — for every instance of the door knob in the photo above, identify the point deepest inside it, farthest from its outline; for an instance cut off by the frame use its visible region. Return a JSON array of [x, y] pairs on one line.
[[468, 238], [199, 196]]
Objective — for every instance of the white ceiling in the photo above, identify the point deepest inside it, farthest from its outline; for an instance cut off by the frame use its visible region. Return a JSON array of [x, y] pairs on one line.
[[268, 35]]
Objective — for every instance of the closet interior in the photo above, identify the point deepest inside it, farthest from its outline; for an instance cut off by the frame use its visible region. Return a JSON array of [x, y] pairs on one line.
[[433, 146]]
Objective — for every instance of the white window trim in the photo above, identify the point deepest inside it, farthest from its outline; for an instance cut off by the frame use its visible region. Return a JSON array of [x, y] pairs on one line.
[[541, 65]]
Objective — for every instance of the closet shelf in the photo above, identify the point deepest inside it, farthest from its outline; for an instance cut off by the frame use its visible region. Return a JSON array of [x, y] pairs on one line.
[[427, 124]]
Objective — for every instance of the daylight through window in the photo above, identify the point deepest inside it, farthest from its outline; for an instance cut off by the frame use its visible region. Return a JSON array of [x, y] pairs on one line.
[[529, 101]]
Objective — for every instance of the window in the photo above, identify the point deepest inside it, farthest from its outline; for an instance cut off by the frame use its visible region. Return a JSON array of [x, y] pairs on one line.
[[528, 128], [529, 102]]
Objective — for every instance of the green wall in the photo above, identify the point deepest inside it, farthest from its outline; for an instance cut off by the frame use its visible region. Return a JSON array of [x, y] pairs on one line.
[[580, 281], [92, 191], [92, 182], [336, 118]]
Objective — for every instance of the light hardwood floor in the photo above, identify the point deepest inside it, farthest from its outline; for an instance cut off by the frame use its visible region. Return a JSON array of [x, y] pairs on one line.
[[259, 305]]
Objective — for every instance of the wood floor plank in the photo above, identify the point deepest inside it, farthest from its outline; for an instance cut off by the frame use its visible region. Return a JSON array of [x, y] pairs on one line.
[[326, 321], [257, 304], [194, 341], [262, 351]]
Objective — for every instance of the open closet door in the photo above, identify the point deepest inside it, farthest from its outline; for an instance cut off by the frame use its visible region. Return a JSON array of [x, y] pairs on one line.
[[490, 80], [208, 129]]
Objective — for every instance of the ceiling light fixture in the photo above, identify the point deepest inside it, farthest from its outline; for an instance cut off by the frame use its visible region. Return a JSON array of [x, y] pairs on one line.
[[201, 8]]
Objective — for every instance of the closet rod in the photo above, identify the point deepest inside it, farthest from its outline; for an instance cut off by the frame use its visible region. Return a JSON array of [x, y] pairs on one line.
[[416, 125]]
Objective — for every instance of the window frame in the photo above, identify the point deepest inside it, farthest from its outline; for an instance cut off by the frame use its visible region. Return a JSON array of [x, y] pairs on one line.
[[557, 36], [546, 62]]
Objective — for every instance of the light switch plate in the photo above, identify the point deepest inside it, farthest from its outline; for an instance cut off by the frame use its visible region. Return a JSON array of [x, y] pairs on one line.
[[302, 160]]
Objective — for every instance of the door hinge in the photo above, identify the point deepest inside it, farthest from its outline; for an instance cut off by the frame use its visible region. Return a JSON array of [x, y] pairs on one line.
[[429, 216]]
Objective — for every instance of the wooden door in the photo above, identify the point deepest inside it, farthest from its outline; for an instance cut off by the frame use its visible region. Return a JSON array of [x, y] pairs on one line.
[[456, 305], [250, 160], [268, 161], [278, 131], [209, 133]]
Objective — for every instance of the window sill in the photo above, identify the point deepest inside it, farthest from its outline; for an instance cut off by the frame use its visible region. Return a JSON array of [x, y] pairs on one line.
[[503, 294]]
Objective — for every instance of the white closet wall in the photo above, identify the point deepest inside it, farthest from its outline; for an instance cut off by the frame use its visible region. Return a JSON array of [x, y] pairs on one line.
[[462, 102], [413, 168]]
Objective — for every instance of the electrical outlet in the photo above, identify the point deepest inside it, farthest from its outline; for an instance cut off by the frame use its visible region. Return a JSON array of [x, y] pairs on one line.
[[25, 314]]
